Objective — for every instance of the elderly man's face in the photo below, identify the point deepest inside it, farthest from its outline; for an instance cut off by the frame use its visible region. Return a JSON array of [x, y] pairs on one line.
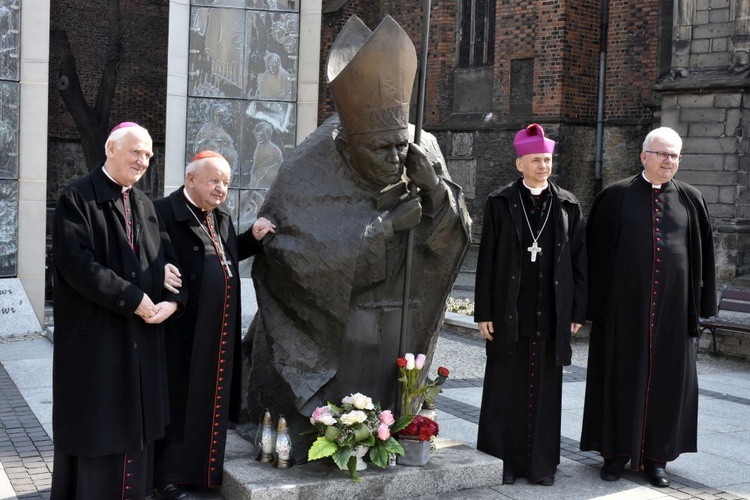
[[208, 184], [128, 158], [658, 170], [379, 158]]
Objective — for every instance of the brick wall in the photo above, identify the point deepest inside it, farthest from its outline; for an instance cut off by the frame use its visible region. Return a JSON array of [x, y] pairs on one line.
[[632, 65], [142, 81]]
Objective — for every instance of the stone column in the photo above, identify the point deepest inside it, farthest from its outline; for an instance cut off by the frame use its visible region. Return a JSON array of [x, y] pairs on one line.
[[682, 32], [740, 17], [24, 60]]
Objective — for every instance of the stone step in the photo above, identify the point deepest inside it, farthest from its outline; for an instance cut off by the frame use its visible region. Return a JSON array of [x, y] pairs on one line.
[[453, 466]]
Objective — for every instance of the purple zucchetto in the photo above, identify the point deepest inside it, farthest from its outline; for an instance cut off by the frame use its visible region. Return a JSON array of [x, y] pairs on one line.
[[124, 125], [531, 140]]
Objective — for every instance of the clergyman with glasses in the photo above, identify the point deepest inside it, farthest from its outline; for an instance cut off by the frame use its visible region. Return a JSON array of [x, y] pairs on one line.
[[530, 298], [651, 275]]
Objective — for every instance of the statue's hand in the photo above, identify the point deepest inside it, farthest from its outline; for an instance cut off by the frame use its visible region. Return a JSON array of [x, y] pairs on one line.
[[406, 215], [419, 169]]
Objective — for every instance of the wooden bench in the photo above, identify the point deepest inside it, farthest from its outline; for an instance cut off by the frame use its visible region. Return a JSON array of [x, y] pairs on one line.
[[733, 314]]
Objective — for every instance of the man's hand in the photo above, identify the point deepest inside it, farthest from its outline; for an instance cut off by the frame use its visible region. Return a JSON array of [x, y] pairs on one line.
[[172, 278], [406, 215], [163, 311], [419, 169], [146, 309], [487, 329], [261, 227], [574, 327]]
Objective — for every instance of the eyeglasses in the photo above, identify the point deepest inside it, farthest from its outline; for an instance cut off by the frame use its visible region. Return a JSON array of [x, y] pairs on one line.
[[664, 155]]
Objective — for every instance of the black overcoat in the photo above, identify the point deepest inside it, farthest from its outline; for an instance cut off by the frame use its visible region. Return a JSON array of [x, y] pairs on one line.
[[109, 374], [499, 270], [185, 233]]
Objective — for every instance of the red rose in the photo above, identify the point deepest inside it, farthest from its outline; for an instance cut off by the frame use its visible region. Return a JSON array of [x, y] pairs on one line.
[[443, 372], [401, 362], [421, 427]]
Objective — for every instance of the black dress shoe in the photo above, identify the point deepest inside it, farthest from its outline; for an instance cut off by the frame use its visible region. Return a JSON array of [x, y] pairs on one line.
[[547, 481], [612, 468], [171, 492], [657, 474]]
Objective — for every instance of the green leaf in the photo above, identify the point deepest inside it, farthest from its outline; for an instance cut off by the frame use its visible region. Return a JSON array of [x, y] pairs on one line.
[[342, 456], [369, 442], [321, 448], [352, 466], [393, 446], [401, 422], [379, 456]]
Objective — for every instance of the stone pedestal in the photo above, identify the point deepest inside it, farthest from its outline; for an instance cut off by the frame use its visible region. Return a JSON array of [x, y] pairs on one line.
[[16, 314], [453, 466]]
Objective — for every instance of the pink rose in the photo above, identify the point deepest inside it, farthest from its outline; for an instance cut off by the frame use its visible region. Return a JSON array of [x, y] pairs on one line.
[[383, 432], [386, 417], [322, 415], [421, 358]]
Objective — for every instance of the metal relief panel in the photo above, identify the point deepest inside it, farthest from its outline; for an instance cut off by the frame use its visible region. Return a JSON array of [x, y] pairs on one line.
[[243, 66], [216, 59], [232, 204], [215, 124], [9, 99], [288, 5], [219, 3], [272, 46], [8, 228], [269, 135], [10, 39]]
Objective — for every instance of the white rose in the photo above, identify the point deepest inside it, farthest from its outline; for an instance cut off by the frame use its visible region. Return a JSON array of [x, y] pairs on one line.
[[360, 402], [353, 417]]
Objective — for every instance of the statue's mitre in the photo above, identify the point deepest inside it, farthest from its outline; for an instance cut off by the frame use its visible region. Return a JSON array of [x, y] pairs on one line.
[[371, 75]]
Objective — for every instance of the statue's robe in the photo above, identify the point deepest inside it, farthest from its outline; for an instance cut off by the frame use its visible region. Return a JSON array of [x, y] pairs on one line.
[[330, 284]]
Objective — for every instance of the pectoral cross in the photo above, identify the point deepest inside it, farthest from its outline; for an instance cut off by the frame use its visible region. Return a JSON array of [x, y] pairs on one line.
[[533, 250], [225, 262]]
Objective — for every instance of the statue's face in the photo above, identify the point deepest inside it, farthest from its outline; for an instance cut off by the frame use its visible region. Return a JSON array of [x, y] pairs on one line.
[[379, 158]]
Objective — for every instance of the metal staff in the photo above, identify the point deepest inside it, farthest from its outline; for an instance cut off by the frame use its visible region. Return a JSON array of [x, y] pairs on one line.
[[417, 138]]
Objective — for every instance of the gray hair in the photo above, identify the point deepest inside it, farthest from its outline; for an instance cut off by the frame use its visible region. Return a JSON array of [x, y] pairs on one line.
[[117, 135], [665, 133]]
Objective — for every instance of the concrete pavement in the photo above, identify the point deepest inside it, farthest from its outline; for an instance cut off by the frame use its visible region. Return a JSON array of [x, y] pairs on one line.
[[720, 470]]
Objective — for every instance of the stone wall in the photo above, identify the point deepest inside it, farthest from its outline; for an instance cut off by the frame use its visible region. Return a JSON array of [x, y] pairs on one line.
[[714, 128]]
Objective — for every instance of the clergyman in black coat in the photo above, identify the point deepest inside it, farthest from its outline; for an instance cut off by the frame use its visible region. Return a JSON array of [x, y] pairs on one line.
[[203, 344], [530, 299], [651, 276], [111, 263]]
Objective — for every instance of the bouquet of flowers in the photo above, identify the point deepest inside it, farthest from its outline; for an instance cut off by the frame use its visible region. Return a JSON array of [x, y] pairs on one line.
[[414, 386], [421, 428], [357, 422]]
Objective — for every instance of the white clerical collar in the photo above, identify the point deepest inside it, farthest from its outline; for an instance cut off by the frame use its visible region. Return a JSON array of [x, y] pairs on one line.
[[655, 186], [187, 195], [535, 191], [124, 188]]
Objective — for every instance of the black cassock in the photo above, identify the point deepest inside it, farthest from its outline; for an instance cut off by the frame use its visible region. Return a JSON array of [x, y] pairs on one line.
[[198, 458], [642, 386], [519, 420]]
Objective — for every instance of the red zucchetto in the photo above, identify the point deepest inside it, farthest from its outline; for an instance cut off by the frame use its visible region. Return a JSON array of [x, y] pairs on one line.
[[207, 154]]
